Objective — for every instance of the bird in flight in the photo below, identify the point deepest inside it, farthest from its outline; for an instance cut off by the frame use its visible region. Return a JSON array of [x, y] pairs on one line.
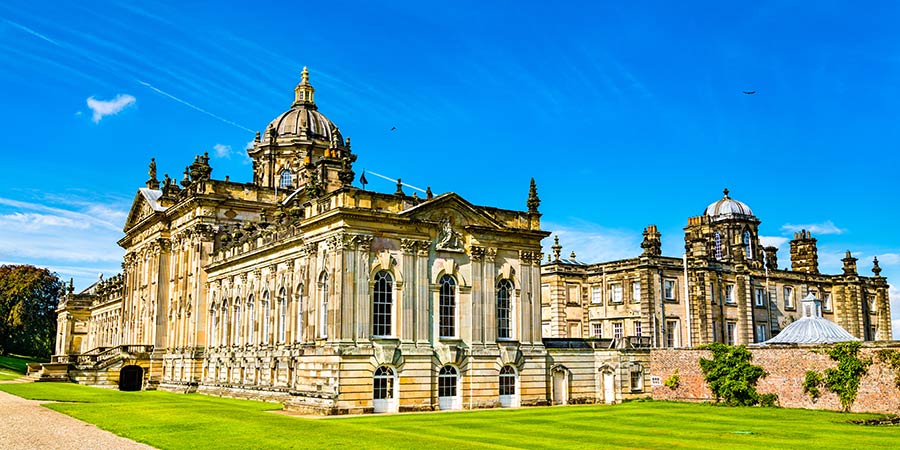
[[749, 92], [393, 128]]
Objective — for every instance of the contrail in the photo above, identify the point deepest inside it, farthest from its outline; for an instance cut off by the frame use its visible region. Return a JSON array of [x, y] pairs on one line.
[[32, 32], [161, 92], [391, 179]]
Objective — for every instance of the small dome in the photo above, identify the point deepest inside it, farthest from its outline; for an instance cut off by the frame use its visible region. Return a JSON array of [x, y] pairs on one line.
[[812, 328], [304, 119], [727, 208]]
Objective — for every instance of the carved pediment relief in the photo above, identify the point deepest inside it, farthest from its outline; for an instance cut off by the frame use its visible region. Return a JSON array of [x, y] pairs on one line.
[[449, 239], [460, 212], [143, 206]]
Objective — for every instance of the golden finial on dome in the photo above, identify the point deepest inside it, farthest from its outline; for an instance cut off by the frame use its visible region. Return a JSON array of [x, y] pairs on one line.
[[304, 92]]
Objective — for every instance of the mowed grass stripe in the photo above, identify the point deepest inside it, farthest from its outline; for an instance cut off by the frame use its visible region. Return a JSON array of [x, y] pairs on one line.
[[175, 421]]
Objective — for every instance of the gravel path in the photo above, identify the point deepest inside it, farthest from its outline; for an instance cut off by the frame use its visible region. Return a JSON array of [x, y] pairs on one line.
[[25, 424]]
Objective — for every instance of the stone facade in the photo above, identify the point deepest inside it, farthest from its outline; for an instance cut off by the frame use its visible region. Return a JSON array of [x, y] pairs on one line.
[[298, 287], [726, 288], [786, 368]]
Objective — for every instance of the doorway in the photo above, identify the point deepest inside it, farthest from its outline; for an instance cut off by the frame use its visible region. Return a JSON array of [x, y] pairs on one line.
[[131, 378]]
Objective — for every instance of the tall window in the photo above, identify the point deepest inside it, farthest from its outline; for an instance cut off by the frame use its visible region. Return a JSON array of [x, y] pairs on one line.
[[214, 325], [507, 381], [760, 333], [669, 289], [826, 301], [597, 330], [615, 292], [286, 179], [447, 379], [597, 295], [637, 328], [788, 297], [760, 297], [637, 378], [447, 307], [323, 305], [267, 313], [748, 246], [617, 330], [251, 319], [383, 383], [718, 242], [382, 313], [730, 332], [729, 293], [504, 309], [223, 332], [237, 323], [635, 291], [671, 333], [282, 315]]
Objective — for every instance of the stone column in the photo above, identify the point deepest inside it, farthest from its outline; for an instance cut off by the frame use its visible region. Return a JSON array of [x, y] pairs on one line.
[[479, 278], [363, 301], [489, 295], [424, 316]]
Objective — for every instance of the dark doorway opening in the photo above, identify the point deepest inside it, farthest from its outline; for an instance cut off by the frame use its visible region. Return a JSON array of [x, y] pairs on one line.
[[131, 378]]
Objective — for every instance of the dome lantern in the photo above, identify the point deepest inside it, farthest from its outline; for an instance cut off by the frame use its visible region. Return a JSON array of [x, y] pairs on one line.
[[304, 93]]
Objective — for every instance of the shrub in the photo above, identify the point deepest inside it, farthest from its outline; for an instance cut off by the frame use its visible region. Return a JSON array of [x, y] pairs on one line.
[[731, 377], [674, 381]]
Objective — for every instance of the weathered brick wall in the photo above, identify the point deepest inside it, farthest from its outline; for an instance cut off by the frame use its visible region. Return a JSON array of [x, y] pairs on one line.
[[786, 368]]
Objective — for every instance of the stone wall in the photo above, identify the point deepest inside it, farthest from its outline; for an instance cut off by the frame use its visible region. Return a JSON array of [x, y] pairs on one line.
[[786, 368]]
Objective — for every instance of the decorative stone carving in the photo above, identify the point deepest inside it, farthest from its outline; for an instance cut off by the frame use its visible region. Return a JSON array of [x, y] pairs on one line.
[[490, 254], [448, 238], [476, 253]]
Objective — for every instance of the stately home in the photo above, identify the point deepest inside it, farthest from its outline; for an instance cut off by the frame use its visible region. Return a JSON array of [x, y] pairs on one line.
[[727, 287], [299, 287]]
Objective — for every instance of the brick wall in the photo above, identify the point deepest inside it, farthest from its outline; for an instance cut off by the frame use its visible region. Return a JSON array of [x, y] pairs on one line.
[[786, 368]]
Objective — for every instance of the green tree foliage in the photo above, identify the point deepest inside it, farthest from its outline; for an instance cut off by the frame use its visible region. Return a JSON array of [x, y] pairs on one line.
[[28, 300], [843, 380], [731, 377], [812, 383], [892, 359]]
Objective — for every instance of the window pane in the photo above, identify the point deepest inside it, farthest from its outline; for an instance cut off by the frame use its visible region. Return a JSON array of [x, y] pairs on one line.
[[447, 307], [382, 312], [504, 309]]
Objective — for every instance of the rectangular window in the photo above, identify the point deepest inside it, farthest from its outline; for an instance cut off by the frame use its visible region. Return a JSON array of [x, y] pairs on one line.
[[788, 297], [671, 333], [617, 330], [730, 332], [597, 295], [826, 301], [729, 293], [715, 329], [873, 305], [597, 330], [575, 330], [615, 292], [573, 294], [669, 289], [637, 379], [637, 328], [760, 297], [761, 333], [636, 292]]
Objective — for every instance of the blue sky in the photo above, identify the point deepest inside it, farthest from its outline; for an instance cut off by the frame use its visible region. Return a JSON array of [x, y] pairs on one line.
[[626, 113]]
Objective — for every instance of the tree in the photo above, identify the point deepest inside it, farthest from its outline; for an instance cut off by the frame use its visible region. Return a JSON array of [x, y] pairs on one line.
[[731, 377], [28, 299]]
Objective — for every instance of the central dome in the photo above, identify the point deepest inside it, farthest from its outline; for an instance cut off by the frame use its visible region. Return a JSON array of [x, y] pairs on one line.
[[303, 120], [727, 208]]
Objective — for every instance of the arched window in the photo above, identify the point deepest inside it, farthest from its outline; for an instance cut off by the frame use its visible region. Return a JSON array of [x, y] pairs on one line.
[[267, 318], [383, 383], [504, 309], [236, 339], [447, 379], [748, 246], [251, 319], [286, 180], [447, 306], [507, 381], [323, 305], [282, 315], [718, 243], [213, 325], [382, 311], [223, 331]]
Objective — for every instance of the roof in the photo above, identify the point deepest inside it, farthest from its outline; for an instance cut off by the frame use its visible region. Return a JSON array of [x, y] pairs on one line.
[[152, 196], [727, 207], [812, 328]]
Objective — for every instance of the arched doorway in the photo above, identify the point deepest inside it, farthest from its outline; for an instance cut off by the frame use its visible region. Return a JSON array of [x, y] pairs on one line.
[[448, 389], [509, 387], [560, 380], [385, 390], [131, 378], [609, 386]]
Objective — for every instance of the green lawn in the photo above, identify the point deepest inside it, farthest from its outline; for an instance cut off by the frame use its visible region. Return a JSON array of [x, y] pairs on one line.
[[195, 421], [13, 366]]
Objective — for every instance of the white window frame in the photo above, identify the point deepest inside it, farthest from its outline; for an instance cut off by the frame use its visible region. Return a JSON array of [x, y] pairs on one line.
[[383, 322], [597, 295], [597, 329], [759, 297], [616, 293], [729, 294], [638, 328], [670, 289], [454, 293], [323, 305], [672, 333], [506, 285], [636, 291], [618, 330], [826, 301], [730, 332], [761, 332], [788, 294]]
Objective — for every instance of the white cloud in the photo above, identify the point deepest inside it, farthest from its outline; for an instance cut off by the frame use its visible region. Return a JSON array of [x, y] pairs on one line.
[[36, 222], [250, 145], [103, 108], [773, 241], [222, 150], [826, 227], [894, 295], [593, 243], [888, 259]]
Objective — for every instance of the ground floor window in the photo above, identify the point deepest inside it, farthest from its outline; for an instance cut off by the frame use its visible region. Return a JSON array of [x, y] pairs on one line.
[[384, 383], [507, 381], [730, 332], [637, 379], [447, 381]]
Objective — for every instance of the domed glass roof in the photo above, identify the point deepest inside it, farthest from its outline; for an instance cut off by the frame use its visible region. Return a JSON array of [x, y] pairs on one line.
[[812, 328], [727, 208]]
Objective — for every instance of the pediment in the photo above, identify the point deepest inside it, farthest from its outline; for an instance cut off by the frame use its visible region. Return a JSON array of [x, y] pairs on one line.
[[453, 208], [145, 204]]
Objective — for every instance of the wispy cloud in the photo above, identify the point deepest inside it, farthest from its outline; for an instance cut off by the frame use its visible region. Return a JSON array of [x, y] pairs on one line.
[[31, 32], [222, 150], [593, 243], [190, 105], [894, 295], [103, 108], [773, 241], [826, 227]]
